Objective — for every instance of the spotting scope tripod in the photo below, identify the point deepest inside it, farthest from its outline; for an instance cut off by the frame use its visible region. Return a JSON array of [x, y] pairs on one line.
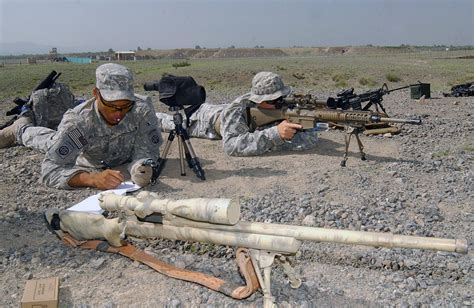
[[184, 145]]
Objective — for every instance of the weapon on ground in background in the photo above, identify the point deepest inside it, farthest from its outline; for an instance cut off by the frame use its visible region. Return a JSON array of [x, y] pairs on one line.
[[465, 89], [346, 99], [46, 83], [353, 121], [217, 221]]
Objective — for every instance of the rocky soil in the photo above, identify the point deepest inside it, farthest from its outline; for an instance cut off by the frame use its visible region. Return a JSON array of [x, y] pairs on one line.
[[419, 182]]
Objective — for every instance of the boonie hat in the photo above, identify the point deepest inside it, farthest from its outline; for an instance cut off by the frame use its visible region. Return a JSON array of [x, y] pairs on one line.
[[267, 86], [115, 82]]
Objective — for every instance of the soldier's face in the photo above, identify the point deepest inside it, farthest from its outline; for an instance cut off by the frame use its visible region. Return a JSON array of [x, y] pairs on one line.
[[113, 112], [266, 105], [273, 104]]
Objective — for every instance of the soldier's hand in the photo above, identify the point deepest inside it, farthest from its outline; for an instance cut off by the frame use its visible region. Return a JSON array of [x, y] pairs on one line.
[[108, 179], [288, 130], [141, 175]]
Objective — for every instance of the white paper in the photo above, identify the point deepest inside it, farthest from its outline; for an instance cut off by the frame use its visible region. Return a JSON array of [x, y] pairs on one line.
[[91, 204]]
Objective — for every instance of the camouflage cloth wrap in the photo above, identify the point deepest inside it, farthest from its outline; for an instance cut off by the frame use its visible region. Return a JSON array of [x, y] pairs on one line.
[[239, 139], [84, 139], [49, 105], [201, 123]]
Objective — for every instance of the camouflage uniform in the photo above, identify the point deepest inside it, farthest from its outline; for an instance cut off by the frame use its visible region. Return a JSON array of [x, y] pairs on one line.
[[240, 135], [49, 105], [85, 142], [201, 123]]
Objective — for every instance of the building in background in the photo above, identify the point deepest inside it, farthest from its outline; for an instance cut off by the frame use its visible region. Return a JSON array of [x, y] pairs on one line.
[[125, 55], [78, 60]]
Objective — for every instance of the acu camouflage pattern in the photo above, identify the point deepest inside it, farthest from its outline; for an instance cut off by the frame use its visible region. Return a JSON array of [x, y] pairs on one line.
[[201, 123], [83, 140], [241, 137], [267, 86], [49, 105], [115, 82]]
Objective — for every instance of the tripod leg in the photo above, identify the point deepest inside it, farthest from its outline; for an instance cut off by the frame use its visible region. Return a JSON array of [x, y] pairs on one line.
[[193, 161], [162, 160], [181, 154], [188, 155], [361, 146], [185, 149], [168, 144]]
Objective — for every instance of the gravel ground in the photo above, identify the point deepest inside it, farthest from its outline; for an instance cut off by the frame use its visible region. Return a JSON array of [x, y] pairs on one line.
[[419, 182]]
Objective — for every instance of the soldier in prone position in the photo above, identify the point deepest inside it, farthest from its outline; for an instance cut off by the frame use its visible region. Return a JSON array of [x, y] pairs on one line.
[[115, 128], [240, 134]]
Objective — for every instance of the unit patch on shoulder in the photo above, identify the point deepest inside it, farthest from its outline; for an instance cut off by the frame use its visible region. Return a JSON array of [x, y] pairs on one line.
[[77, 138], [155, 136], [64, 149]]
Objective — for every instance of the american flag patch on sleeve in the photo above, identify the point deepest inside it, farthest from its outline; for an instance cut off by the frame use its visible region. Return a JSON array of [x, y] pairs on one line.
[[78, 138]]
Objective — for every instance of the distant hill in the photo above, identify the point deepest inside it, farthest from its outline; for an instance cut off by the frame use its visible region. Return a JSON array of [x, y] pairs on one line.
[[186, 53], [28, 48], [20, 48], [25, 48]]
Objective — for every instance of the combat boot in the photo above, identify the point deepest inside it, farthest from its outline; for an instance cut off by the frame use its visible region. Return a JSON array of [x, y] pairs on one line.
[[8, 134]]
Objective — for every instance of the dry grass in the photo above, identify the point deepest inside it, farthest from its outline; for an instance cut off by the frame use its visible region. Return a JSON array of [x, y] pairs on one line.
[[321, 73]]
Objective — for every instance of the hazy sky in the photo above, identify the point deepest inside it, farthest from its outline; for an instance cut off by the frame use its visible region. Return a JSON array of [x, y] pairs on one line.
[[121, 25]]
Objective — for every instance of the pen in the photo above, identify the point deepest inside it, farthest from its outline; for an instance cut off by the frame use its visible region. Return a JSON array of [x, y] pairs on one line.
[[105, 165]]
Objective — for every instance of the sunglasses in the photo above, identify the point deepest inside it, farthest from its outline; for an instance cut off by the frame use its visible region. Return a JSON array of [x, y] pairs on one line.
[[112, 107], [278, 103]]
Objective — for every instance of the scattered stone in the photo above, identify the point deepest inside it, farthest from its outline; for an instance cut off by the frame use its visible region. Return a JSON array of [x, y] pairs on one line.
[[452, 266], [97, 263], [399, 181], [411, 284], [309, 220], [28, 276]]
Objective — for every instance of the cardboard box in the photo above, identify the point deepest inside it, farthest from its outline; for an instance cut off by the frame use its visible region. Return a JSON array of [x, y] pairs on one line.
[[41, 293]]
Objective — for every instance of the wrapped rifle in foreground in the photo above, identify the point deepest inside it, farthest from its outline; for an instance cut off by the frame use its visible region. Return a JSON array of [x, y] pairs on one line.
[[215, 221]]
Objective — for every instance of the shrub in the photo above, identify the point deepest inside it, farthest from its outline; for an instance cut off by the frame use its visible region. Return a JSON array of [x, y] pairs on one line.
[[367, 81], [341, 84], [340, 80], [468, 148], [392, 77], [440, 154], [181, 64]]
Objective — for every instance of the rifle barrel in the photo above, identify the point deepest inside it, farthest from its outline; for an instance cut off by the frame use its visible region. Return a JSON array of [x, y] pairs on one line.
[[396, 120], [48, 81], [303, 233]]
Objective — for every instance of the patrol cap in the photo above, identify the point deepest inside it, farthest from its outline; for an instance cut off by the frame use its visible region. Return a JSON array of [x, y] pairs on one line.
[[115, 82], [267, 86]]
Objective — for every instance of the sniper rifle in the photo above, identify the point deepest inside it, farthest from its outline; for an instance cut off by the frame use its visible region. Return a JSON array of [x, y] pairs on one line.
[[354, 121], [214, 221]]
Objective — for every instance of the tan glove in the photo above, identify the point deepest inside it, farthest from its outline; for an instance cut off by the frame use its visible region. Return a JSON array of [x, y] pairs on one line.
[[141, 175]]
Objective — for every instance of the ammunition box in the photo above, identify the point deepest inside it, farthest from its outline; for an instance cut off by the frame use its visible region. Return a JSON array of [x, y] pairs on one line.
[[418, 90]]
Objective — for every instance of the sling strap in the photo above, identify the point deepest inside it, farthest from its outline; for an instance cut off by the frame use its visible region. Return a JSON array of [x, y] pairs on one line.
[[128, 250]]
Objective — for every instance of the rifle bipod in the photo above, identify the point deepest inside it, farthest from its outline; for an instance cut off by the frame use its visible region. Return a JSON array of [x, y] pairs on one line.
[[351, 130], [263, 260], [185, 150]]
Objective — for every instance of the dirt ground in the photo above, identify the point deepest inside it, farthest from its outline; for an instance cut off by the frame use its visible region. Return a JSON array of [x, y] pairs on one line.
[[419, 182]]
